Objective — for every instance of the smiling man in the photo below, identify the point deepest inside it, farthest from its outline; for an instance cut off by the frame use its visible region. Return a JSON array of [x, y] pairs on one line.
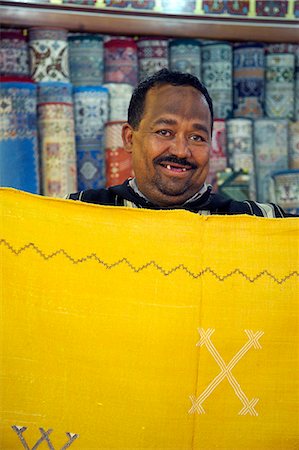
[[168, 133]]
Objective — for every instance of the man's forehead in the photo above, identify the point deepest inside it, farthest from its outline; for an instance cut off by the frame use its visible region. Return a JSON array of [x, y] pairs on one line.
[[185, 101]]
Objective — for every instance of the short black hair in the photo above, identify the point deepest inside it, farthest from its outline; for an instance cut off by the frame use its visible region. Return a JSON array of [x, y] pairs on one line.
[[163, 76]]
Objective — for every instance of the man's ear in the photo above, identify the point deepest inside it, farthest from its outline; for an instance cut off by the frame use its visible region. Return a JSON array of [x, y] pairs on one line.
[[127, 137]]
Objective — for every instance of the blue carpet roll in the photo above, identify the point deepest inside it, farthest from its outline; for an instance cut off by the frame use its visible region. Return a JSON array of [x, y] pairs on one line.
[[18, 137]]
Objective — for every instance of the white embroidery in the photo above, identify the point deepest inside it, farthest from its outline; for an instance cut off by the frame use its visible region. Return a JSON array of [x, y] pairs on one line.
[[248, 405]]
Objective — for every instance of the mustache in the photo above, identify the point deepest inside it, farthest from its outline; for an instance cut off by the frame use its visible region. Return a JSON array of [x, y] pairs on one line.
[[174, 159]]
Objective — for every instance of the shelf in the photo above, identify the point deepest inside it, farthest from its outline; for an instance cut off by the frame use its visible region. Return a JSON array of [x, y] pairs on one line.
[[20, 14]]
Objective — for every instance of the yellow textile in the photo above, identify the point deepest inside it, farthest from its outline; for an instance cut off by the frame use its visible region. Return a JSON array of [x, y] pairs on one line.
[[137, 329]]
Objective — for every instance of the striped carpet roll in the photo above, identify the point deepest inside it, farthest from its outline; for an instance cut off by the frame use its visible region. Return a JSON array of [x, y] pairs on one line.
[[218, 154], [285, 190], [280, 85], [248, 79], [119, 99], [217, 76], [14, 55], [294, 145], [48, 53], [270, 152], [57, 139], [118, 161], [152, 55], [91, 114], [240, 148], [121, 61], [86, 59], [185, 56], [18, 136]]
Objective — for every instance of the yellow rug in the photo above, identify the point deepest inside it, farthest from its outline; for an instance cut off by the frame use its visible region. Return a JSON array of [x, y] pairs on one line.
[[137, 329]]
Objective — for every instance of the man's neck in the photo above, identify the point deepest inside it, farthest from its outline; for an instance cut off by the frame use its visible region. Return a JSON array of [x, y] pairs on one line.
[[203, 189]]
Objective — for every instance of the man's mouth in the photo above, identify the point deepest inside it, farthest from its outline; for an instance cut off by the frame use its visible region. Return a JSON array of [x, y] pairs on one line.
[[175, 165]]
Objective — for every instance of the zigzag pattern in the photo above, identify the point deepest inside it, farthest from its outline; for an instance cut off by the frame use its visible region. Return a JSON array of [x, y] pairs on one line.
[[152, 263]]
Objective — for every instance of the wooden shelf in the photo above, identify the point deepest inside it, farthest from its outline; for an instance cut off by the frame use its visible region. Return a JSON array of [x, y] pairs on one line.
[[20, 14]]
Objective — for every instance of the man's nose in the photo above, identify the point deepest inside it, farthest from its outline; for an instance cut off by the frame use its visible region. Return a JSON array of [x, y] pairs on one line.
[[180, 147]]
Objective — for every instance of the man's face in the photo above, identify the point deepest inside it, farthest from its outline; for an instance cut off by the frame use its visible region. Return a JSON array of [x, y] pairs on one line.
[[170, 149]]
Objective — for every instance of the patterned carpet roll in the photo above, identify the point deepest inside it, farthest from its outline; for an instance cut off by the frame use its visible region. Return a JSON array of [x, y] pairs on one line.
[[285, 190], [86, 59], [118, 161], [55, 92], [280, 85], [121, 61], [119, 99], [296, 52], [270, 152], [57, 139], [218, 155], [248, 78], [185, 56], [18, 136], [294, 145], [48, 53], [14, 54], [240, 148], [152, 55], [217, 76], [91, 114]]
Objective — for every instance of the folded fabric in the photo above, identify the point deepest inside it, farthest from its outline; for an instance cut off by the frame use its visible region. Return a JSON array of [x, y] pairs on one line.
[[139, 329]]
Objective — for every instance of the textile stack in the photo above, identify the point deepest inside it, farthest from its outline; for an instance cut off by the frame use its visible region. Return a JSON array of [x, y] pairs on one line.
[[118, 161], [248, 76], [152, 55], [217, 76], [185, 56], [57, 138], [19, 160], [86, 59], [271, 152], [91, 114]]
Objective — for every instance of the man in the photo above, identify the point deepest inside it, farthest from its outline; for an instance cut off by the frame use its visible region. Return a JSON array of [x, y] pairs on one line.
[[169, 130]]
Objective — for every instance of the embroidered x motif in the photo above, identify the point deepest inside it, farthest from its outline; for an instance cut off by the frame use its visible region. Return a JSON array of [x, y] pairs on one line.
[[248, 405], [44, 437]]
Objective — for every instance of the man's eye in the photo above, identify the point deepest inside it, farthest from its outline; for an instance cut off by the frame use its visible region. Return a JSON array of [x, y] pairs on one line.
[[165, 133], [196, 138]]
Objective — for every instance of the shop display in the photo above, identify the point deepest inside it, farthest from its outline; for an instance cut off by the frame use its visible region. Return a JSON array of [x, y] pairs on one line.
[[118, 161], [271, 152], [19, 160], [121, 61], [248, 76], [57, 139], [91, 114], [217, 76], [280, 85], [234, 74], [48, 53], [86, 60]]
